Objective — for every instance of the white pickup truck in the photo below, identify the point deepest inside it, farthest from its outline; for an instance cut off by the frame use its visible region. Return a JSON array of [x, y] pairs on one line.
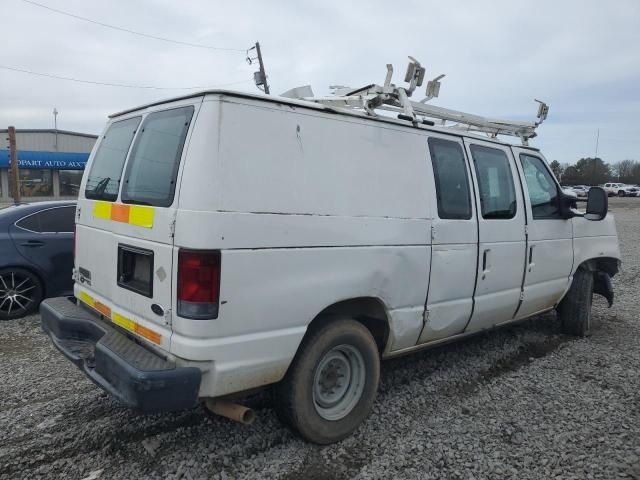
[[228, 241], [621, 190]]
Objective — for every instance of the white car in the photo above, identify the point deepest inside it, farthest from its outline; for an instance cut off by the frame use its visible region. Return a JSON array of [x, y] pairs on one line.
[[227, 241], [621, 189]]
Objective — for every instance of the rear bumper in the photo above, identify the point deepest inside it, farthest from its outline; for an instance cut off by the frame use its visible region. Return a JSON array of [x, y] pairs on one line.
[[134, 375]]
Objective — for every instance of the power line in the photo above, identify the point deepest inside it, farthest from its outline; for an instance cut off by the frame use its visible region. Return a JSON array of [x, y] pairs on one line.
[[122, 85], [133, 32]]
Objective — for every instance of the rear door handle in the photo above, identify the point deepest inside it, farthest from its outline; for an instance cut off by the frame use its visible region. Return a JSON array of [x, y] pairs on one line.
[[531, 257], [486, 262], [33, 244]]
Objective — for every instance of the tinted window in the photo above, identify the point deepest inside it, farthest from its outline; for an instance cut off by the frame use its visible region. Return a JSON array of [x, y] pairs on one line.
[[543, 191], [103, 182], [52, 220], [151, 173], [495, 181], [452, 181]]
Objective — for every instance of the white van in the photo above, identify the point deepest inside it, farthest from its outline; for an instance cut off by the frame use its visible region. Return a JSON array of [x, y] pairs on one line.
[[228, 241]]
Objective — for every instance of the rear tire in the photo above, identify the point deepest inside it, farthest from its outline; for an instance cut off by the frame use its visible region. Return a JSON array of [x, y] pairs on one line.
[[20, 293], [331, 385], [575, 309]]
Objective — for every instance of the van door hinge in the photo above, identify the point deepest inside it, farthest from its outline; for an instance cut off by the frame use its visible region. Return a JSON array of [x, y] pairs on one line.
[[521, 295], [425, 316], [167, 317], [172, 228], [526, 229], [433, 233]]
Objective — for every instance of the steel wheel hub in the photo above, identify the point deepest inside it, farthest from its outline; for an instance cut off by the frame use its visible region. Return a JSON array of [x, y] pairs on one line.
[[338, 382]]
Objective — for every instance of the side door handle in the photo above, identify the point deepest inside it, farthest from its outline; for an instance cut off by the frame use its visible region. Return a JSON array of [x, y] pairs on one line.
[[531, 264], [486, 262], [33, 243]]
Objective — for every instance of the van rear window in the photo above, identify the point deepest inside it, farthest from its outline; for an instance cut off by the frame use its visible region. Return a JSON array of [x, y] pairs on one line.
[[104, 178], [152, 170]]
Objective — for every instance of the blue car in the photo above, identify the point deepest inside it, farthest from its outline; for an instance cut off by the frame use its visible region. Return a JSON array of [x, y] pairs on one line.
[[36, 255]]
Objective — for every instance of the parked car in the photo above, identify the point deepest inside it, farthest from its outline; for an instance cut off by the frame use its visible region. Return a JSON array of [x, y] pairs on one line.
[[581, 190], [621, 190], [575, 190], [36, 255], [207, 265]]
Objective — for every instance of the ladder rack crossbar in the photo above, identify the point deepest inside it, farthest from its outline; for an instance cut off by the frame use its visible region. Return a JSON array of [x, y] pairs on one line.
[[389, 97]]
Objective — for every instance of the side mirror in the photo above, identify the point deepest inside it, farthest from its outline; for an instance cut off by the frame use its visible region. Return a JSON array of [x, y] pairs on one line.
[[597, 204]]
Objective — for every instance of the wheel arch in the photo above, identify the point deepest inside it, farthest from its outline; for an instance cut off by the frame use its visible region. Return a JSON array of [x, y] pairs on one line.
[[371, 312], [603, 269]]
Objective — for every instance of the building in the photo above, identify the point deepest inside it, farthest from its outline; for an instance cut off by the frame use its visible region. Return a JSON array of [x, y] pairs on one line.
[[50, 163]]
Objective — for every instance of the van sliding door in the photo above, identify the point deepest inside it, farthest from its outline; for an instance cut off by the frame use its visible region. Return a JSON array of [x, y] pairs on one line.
[[501, 223], [454, 238]]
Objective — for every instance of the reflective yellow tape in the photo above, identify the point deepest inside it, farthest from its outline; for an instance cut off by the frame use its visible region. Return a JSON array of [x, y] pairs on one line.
[[138, 215], [86, 298], [102, 210], [141, 216], [124, 322], [120, 320]]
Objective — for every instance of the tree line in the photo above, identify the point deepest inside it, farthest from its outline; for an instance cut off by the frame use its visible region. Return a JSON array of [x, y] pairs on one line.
[[595, 171]]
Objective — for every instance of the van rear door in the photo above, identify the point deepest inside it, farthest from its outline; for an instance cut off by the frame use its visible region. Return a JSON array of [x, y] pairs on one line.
[[124, 232]]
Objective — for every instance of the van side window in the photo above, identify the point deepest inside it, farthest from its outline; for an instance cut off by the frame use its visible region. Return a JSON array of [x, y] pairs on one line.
[[452, 180], [543, 191], [495, 181], [103, 182], [152, 170]]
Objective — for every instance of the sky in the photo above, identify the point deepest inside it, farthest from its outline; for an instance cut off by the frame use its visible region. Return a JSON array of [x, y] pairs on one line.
[[582, 57]]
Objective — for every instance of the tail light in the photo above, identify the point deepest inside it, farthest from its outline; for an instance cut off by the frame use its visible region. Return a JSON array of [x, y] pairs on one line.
[[198, 284]]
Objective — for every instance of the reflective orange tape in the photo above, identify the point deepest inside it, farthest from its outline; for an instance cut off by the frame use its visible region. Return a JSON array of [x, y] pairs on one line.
[[120, 213], [148, 334], [102, 308]]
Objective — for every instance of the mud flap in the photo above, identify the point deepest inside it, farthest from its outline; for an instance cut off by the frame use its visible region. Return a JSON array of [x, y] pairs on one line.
[[602, 285]]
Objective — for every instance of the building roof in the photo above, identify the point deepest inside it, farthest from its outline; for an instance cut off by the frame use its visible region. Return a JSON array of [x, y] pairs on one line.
[[50, 130]]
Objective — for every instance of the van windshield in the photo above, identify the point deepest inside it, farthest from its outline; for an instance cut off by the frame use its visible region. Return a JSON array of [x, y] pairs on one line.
[[104, 178], [152, 170]]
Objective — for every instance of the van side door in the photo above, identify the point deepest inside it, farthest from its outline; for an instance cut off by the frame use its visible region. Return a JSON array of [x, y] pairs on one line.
[[501, 228], [549, 237], [454, 239]]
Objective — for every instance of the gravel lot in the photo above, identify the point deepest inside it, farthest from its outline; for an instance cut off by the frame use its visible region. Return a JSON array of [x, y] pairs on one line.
[[522, 402]]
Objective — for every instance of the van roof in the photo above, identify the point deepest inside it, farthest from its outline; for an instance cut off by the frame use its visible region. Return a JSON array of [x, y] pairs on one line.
[[318, 107]]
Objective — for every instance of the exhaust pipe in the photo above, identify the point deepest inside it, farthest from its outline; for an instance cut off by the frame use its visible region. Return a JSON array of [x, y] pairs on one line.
[[232, 411]]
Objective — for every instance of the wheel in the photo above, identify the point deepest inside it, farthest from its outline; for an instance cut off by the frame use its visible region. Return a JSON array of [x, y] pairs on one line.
[[621, 193], [20, 293], [575, 309], [331, 385]]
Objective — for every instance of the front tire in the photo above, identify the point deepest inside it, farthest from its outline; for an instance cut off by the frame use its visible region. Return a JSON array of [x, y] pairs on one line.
[[575, 309], [621, 193], [20, 293], [331, 385]]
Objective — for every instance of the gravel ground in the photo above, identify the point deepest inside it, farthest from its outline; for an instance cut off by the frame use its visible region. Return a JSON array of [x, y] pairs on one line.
[[521, 402]]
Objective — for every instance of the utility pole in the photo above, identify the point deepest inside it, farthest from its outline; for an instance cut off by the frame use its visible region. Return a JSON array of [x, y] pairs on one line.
[[55, 125], [14, 177], [260, 77]]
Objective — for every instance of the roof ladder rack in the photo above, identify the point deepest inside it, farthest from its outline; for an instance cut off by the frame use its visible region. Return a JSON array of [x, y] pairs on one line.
[[389, 97]]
